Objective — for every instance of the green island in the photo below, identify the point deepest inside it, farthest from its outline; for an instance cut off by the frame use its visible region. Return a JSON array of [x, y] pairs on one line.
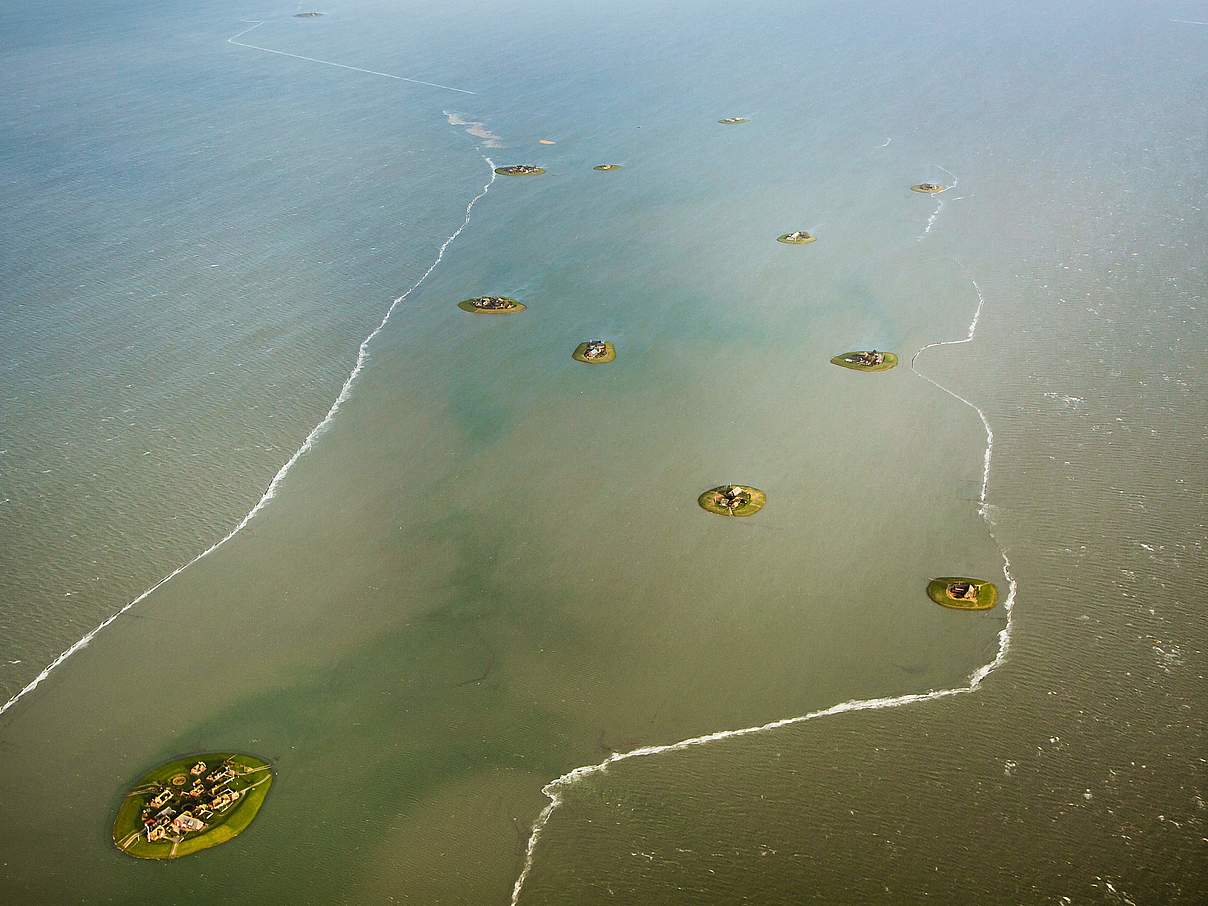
[[734, 120], [491, 305], [191, 804], [963, 593], [797, 237], [733, 500], [310, 15], [595, 352], [606, 168], [866, 361], [929, 188], [520, 170]]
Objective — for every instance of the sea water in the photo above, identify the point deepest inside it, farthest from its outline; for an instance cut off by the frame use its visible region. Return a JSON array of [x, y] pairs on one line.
[[488, 568]]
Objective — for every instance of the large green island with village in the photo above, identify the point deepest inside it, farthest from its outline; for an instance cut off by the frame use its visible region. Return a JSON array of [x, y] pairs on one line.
[[191, 804]]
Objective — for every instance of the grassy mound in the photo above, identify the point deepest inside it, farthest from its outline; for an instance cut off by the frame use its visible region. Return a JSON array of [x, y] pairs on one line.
[[798, 237], [474, 306], [610, 354], [520, 170], [753, 501], [987, 594], [606, 168], [734, 120], [253, 779], [891, 360]]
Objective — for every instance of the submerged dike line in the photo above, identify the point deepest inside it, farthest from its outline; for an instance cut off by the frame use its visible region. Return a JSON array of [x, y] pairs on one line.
[[271, 490], [939, 206], [553, 789], [296, 56]]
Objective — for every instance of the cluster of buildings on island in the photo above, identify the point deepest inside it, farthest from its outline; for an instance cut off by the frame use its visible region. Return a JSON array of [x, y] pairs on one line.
[[520, 170], [595, 349], [963, 591], [866, 358], [177, 809], [733, 497], [494, 303]]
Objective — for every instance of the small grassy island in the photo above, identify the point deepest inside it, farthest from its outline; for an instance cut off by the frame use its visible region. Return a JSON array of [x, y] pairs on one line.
[[929, 188], [963, 593], [606, 168], [734, 120], [866, 361], [491, 305], [797, 237], [520, 170], [595, 352], [310, 15], [191, 804], [733, 500]]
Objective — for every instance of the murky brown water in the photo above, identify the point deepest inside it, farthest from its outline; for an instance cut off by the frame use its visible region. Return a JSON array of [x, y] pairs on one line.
[[491, 569]]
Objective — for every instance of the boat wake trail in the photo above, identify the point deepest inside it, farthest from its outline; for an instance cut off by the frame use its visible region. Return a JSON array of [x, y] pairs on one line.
[[389, 75], [271, 490], [938, 207], [554, 789]]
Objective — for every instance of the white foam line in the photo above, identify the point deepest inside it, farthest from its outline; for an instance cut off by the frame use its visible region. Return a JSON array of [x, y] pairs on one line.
[[886, 145], [939, 205], [931, 220], [985, 486], [1189, 22], [297, 56], [270, 492], [553, 789]]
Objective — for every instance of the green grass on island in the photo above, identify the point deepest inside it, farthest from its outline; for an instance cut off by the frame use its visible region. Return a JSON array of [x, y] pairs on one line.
[[520, 170], [733, 500], [606, 168], [866, 360], [963, 593], [797, 237], [734, 120], [603, 352], [929, 188], [191, 804], [491, 305]]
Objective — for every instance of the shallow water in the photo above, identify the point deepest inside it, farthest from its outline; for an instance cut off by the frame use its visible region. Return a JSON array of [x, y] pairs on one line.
[[490, 568], [192, 255]]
